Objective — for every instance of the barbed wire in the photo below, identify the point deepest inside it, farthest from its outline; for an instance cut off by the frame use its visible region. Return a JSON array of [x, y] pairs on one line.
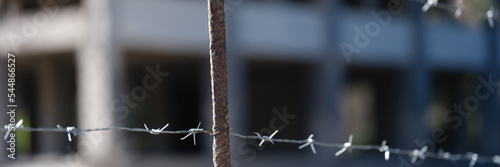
[[459, 7], [415, 154], [421, 153]]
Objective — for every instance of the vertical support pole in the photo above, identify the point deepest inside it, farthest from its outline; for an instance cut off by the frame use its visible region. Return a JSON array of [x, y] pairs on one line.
[[218, 72]]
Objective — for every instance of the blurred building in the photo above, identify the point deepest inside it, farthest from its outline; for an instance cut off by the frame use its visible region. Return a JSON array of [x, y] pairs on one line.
[[381, 70]]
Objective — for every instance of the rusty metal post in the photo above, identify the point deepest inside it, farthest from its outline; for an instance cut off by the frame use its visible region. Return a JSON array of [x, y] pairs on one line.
[[218, 72]]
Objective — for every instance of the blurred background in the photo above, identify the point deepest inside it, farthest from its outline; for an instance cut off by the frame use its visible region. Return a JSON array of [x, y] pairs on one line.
[[380, 70]]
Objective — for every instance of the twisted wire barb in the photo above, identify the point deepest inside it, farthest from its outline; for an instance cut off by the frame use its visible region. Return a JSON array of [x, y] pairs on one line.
[[415, 154]]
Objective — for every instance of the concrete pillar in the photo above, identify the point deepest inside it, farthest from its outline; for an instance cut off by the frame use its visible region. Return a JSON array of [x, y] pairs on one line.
[[326, 81], [325, 121], [99, 69], [417, 90], [331, 78]]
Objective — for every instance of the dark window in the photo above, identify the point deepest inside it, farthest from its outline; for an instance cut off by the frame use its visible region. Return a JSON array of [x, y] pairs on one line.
[[372, 99], [30, 96], [450, 90], [176, 100], [276, 87]]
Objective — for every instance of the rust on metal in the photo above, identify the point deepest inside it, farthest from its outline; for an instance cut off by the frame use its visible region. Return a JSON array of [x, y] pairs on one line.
[[218, 67]]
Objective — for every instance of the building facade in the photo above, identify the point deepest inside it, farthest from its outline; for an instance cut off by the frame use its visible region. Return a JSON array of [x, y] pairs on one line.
[[381, 70]]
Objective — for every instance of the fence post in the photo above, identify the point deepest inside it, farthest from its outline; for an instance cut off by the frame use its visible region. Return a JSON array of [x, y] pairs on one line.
[[218, 72]]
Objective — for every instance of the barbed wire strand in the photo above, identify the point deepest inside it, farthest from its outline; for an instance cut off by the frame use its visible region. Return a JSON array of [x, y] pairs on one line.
[[415, 154], [491, 15]]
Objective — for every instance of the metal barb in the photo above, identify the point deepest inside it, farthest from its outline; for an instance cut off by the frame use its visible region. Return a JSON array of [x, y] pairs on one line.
[[266, 138], [418, 154], [19, 123], [309, 142], [385, 149], [429, 4], [9, 128], [489, 15], [69, 130], [460, 8], [473, 159], [347, 146], [444, 155], [193, 132], [496, 159], [155, 131]]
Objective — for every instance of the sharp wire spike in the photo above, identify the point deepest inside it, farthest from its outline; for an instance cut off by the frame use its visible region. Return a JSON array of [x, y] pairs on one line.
[[19, 123], [155, 131], [164, 127], [429, 4], [347, 146], [496, 159], [309, 142], [70, 129], [414, 156], [6, 133], [193, 132], [460, 8], [489, 15], [313, 149], [473, 159], [385, 149], [272, 135], [189, 134]]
